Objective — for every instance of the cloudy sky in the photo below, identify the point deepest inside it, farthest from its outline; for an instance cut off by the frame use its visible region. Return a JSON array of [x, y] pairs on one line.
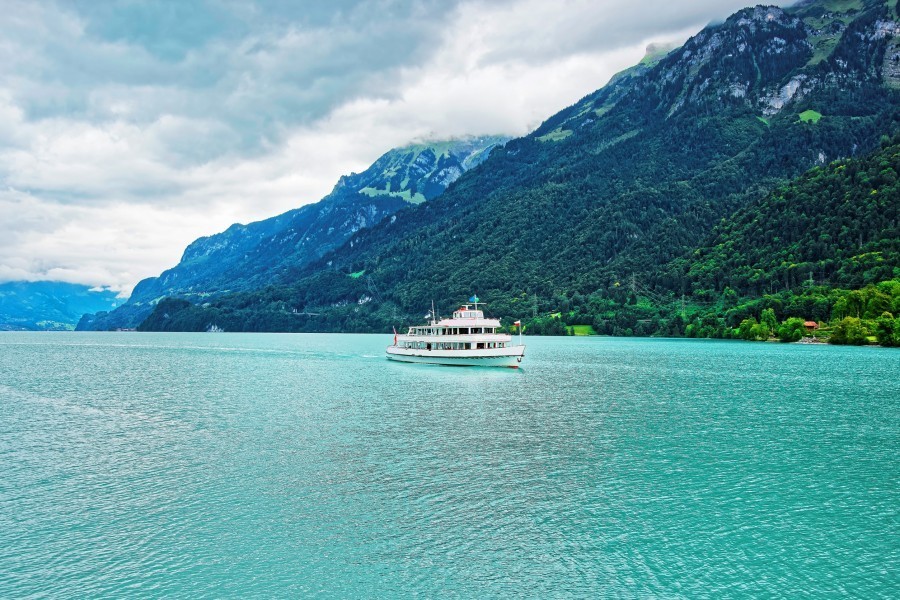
[[129, 128]]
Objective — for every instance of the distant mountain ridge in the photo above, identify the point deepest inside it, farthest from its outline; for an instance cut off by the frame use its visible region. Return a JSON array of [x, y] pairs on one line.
[[251, 256], [612, 189], [49, 305]]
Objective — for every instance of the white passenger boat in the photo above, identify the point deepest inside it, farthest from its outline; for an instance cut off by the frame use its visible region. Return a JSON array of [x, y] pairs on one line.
[[468, 339]]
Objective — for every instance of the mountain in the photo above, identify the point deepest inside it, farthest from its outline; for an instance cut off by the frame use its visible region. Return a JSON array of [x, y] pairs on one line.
[[49, 305], [585, 215], [838, 224], [250, 256]]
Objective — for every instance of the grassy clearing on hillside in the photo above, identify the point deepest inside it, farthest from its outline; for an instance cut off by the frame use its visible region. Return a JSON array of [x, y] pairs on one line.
[[358, 274], [557, 135], [406, 195], [822, 48], [581, 330], [841, 5], [835, 10], [832, 8], [810, 116], [618, 140]]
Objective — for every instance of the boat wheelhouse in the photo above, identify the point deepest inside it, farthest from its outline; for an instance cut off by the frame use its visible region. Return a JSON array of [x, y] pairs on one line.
[[466, 339]]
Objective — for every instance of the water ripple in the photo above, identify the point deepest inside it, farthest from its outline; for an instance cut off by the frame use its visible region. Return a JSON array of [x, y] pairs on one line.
[[296, 465]]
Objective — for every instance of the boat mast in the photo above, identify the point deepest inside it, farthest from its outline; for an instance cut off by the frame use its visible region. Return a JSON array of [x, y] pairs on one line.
[[433, 316]]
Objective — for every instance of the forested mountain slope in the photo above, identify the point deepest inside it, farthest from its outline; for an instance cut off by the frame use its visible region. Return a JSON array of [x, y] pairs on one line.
[[605, 193], [838, 225], [250, 256]]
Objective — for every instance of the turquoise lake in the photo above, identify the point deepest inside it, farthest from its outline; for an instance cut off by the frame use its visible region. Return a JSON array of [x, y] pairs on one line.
[[273, 466]]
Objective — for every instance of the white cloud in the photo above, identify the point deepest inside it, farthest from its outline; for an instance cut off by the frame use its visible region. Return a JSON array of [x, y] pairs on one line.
[[122, 141]]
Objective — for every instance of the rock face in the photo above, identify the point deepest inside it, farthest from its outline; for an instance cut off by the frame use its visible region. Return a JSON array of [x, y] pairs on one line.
[[250, 256], [891, 66], [763, 58]]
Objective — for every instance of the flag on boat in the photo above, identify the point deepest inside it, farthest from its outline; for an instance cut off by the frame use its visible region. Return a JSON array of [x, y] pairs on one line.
[[395, 335], [518, 323], [473, 299]]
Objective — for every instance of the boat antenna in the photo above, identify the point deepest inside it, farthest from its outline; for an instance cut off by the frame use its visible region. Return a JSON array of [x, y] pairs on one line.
[[433, 316]]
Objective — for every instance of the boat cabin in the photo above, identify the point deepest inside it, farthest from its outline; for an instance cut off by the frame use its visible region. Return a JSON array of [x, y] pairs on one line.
[[464, 312], [444, 330], [436, 345]]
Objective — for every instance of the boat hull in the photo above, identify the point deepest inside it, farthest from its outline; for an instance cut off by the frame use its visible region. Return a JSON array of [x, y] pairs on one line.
[[456, 358]]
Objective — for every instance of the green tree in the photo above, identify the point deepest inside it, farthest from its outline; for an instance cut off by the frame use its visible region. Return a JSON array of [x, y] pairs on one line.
[[887, 330], [768, 319], [760, 332], [746, 328], [729, 298], [850, 331], [792, 330]]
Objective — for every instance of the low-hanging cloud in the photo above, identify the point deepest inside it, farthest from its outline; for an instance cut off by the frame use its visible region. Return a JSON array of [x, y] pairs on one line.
[[127, 129]]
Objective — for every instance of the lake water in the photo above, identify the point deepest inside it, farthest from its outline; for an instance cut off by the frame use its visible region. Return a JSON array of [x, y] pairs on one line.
[[224, 465]]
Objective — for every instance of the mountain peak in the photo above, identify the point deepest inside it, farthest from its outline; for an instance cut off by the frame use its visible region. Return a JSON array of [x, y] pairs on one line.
[[422, 170], [760, 14]]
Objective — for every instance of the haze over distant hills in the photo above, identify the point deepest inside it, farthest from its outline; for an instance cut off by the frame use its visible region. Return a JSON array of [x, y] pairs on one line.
[[590, 208], [49, 305]]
